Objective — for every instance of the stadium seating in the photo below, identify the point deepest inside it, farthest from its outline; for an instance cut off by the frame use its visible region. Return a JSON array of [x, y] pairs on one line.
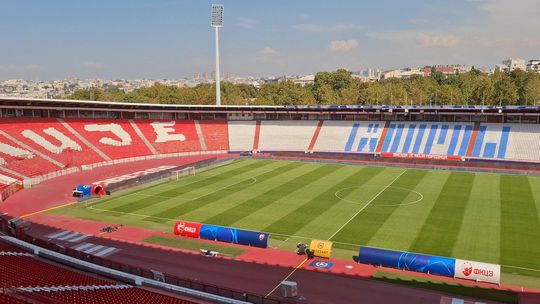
[[6, 299], [111, 296], [35, 146], [286, 135], [215, 134], [115, 138], [26, 271], [241, 135], [171, 136]]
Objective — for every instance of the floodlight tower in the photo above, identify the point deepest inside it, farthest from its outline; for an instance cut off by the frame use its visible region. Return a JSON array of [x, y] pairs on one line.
[[216, 23]]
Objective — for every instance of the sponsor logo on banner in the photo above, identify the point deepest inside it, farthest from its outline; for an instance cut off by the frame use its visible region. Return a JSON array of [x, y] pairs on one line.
[[421, 156], [477, 271], [187, 229]]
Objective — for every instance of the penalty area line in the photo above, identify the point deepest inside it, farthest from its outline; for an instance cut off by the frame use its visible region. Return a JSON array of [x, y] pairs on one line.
[[367, 204]]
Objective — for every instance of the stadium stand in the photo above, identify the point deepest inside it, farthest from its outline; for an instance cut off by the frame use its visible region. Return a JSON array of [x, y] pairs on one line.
[[241, 135], [30, 280], [286, 135], [109, 296], [35, 146], [115, 138], [6, 299], [25, 271], [169, 136], [215, 134]]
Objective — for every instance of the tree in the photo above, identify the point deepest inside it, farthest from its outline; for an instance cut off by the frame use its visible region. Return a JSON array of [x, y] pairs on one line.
[[284, 93], [449, 94], [482, 90], [532, 90], [505, 91]]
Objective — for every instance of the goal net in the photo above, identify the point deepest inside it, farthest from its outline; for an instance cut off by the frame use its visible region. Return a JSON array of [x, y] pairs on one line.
[[178, 174]]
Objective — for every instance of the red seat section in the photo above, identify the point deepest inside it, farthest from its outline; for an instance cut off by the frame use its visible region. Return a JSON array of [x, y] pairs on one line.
[[26, 271], [116, 138], [112, 296], [21, 160], [50, 137], [6, 299], [216, 134], [171, 136]]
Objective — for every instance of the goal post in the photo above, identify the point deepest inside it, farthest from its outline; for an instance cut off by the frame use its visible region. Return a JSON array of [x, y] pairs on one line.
[[178, 174]]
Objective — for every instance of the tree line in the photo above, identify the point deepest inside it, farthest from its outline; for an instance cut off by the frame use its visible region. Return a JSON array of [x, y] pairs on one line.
[[340, 87]]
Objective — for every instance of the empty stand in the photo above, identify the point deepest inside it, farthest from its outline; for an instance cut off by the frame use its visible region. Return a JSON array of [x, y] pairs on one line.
[[215, 134], [241, 135], [26, 271], [293, 135], [115, 138], [111, 296], [171, 136]]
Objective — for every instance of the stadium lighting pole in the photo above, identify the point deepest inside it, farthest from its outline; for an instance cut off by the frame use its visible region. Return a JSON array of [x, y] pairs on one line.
[[216, 23]]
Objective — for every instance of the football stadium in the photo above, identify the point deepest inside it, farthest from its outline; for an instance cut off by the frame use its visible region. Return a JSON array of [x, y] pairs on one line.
[[259, 204]]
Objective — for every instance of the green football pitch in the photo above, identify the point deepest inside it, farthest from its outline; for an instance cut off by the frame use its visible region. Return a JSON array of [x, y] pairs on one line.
[[477, 216]]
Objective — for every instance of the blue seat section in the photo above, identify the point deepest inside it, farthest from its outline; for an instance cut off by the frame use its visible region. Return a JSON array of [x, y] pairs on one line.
[[388, 138], [504, 142], [397, 138], [430, 139], [352, 136], [369, 128], [375, 128], [489, 150], [465, 141], [419, 137], [479, 141], [408, 139], [442, 135], [362, 144], [454, 140], [373, 144]]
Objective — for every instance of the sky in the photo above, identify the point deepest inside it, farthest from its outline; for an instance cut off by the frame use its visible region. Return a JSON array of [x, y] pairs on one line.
[[129, 39]]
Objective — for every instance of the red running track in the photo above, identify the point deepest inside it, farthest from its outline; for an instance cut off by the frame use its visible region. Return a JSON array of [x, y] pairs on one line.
[[57, 191]]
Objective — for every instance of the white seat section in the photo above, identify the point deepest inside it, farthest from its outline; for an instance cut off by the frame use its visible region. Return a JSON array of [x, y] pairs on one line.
[[289, 135], [241, 135], [349, 136], [523, 142]]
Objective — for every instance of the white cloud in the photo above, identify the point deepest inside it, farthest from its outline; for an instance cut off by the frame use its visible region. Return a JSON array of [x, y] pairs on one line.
[[91, 65], [318, 28], [247, 23], [426, 40], [267, 51], [342, 45], [421, 38]]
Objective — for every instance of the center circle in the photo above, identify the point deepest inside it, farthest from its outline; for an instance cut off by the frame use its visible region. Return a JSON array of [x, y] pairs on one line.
[[419, 197]]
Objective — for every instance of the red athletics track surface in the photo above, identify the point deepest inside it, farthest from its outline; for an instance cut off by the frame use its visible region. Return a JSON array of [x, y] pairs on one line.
[[349, 286], [57, 191], [314, 287]]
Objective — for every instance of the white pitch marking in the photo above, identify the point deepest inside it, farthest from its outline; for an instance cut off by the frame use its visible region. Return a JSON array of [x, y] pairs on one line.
[[366, 205]]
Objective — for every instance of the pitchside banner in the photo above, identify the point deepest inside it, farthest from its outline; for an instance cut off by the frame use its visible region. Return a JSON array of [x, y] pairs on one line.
[[407, 261], [478, 271], [322, 249], [233, 235]]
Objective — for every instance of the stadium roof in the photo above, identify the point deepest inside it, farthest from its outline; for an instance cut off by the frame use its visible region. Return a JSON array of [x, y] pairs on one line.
[[104, 105]]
